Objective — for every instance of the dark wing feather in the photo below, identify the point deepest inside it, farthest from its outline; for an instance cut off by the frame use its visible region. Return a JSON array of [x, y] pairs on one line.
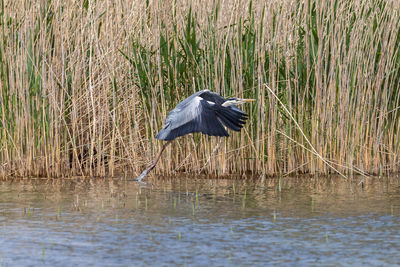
[[232, 117], [212, 97]]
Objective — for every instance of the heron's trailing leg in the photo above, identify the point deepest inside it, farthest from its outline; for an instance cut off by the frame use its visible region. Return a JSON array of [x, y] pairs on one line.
[[148, 169]]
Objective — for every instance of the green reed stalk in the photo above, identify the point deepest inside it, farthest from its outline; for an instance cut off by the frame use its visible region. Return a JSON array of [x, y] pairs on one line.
[[85, 88]]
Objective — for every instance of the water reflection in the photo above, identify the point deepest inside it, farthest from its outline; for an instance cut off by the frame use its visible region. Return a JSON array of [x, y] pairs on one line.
[[195, 221]]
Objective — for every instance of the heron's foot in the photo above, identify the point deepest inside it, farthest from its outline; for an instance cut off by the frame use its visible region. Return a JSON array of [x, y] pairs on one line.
[[142, 176], [139, 182], [136, 180]]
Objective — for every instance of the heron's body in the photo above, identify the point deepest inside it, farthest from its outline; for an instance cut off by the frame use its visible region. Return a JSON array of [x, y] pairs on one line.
[[205, 112]]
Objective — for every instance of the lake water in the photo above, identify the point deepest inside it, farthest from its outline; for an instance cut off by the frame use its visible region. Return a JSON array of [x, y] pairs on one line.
[[190, 221]]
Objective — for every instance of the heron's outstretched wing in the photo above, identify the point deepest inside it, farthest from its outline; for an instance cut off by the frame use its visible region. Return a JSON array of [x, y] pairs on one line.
[[202, 112], [192, 115]]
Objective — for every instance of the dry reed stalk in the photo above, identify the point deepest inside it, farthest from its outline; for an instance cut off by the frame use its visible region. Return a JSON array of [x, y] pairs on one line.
[[85, 86]]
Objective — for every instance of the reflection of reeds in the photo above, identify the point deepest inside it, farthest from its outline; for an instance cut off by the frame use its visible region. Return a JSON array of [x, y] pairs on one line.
[[85, 88]]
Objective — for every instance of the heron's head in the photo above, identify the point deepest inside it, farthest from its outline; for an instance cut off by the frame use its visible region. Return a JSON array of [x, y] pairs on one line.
[[234, 101]]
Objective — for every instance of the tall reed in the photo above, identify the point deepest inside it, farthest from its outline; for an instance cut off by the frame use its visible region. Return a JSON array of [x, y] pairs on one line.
[[86, 86]]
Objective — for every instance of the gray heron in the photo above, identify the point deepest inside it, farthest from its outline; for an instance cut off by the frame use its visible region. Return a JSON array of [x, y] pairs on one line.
[[203, 112]]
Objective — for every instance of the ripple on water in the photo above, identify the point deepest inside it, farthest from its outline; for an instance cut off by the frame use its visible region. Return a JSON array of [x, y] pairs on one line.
[[200, 222]]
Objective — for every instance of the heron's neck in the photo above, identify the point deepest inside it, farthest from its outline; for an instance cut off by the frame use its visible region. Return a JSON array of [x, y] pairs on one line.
[[229, 103]]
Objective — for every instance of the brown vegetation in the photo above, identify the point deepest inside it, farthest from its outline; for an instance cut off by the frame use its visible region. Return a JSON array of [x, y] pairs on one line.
[[85, 86]]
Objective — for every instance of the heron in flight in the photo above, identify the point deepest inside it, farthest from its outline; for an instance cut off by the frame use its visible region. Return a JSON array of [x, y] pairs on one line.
[[203, 112]]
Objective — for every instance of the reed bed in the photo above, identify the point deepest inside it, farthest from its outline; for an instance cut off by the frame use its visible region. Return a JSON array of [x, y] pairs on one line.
[[86, 85]]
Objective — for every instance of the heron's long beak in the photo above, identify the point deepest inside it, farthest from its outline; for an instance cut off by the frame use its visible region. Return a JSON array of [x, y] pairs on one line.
[[248, 100]]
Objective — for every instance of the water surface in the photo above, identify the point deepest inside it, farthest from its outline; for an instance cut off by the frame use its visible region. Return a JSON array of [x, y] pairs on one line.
[[192, 221]]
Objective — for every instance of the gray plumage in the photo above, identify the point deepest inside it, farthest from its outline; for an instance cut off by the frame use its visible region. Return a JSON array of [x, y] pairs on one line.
[[203, 112]]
